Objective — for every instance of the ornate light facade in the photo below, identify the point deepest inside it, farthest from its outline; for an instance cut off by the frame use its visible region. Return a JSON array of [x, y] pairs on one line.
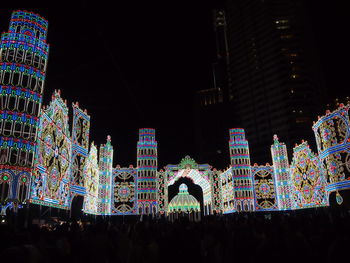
[[80, 148], [43, 161], [52, 165], [227, 191], [308, 178], [124, 198], [332, 133], [264, 183], [91, 182]]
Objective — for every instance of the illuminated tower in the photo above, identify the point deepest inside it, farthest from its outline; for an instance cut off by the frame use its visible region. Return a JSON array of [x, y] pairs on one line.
[[241, 171], [282, 174], [105, 179], [23, 59], [147, 171]]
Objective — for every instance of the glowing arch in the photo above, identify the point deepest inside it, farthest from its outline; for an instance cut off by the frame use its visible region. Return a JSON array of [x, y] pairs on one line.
[[198, 179]]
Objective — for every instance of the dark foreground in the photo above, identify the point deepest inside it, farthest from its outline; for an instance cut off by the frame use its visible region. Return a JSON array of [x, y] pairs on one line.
[[313, 236]]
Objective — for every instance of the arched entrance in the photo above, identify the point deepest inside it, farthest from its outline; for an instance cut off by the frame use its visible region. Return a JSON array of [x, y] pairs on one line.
[[195, 176]]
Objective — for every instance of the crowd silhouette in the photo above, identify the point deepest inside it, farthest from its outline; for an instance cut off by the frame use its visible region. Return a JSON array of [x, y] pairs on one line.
[[312, 235]]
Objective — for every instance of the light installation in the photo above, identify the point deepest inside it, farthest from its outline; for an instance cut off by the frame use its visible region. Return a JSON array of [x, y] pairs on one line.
[[39, 152], [264, 183], [332, 133], [241, 171], [91, 173], [147, 163], [162, 192], [23, 59], [200, 174], [80, 148], [308, 178], [215, 183], [124, 191], [227, 191], [183, 201], [282, 175], [52, 165], [105, 177]]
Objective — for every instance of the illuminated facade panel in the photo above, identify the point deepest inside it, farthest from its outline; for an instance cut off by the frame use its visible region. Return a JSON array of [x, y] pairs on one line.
[[227, 192], [91, 182], [264, 183], [162, 193], [308, 178], [332, 133], [80, 148], [52, 166], [124, 191], [216, 197]]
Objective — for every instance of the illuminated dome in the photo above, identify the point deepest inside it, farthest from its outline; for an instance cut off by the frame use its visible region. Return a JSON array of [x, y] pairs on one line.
[[183, 201]]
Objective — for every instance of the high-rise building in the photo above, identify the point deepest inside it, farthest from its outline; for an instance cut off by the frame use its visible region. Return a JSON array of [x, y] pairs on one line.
[[274, 73], [23, 59], [214, 112], [147, 163]]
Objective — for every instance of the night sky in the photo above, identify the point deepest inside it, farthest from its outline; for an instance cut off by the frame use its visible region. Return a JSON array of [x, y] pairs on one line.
[[134, 66]]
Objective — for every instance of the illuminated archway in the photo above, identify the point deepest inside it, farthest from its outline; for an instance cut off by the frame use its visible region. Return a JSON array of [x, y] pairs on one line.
[[199, 175]]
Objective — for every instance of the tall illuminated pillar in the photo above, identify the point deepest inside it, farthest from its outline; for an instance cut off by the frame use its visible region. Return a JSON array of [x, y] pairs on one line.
[[241, 171], [23, 59], [105, 179], [282, 175], [147, 172]]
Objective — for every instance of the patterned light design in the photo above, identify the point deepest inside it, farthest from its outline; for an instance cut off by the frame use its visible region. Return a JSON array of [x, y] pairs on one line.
[[91, 182], [227, 192], [308, 178], [332, 132], [23, 60], [162, 186], [215, 182], [282, 175], [241, 171], [80, 148], [52, 165], [147, 172], [105, 180], [124, 190], [264, 181]]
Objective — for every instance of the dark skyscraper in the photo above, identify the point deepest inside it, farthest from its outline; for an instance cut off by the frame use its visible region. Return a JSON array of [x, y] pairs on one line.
[[274, 72], [274, 78], [214, 114]]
